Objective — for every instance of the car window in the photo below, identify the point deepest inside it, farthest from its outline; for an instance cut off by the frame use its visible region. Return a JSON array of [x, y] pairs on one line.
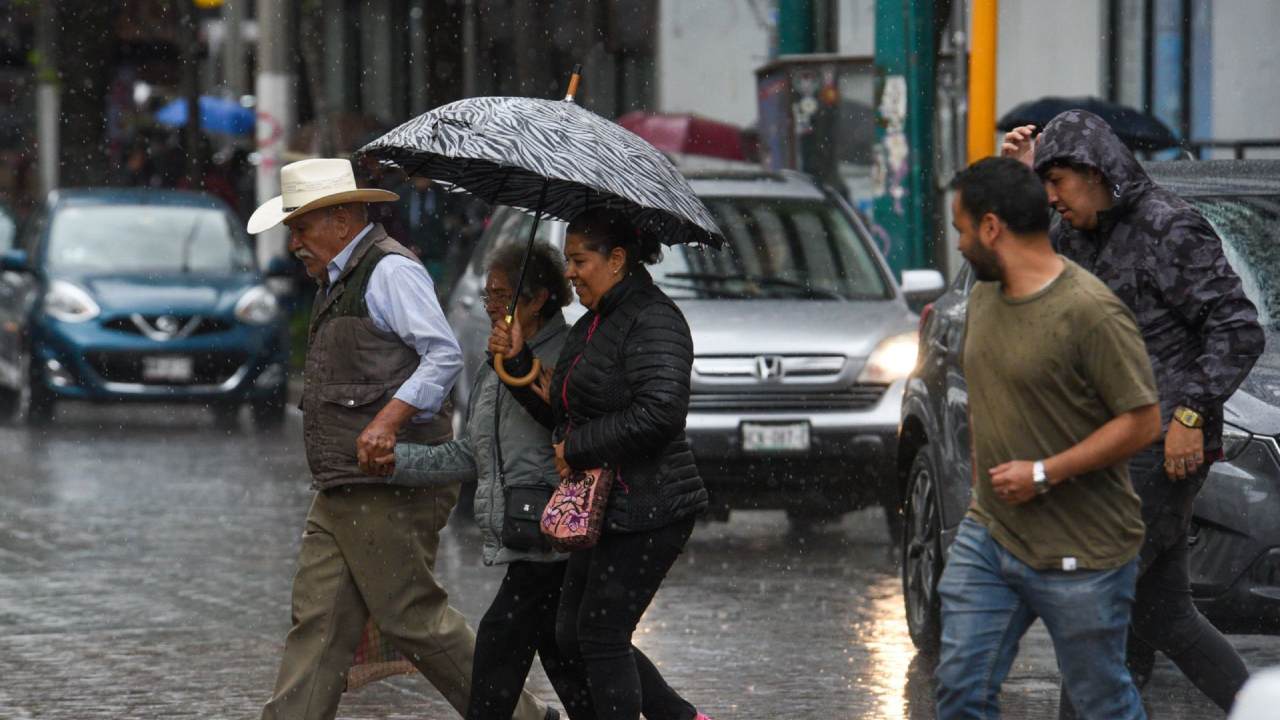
[[145, 238], [1249, 227], [776, 248], [511, 226]]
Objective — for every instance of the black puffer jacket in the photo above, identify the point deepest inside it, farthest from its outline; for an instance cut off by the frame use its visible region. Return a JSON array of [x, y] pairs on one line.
[[627, 397], [1164, 260]]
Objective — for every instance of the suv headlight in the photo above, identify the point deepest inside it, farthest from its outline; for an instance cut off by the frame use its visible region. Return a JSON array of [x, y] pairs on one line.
[[1234, 441], [69, 302], [893, 359], [257, 306]]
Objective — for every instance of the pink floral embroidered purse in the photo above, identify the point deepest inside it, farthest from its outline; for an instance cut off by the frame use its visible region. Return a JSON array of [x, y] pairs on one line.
[[574, 516]]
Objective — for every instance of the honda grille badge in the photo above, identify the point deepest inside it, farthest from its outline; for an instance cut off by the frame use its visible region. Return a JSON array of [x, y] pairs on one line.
[[769, 367]]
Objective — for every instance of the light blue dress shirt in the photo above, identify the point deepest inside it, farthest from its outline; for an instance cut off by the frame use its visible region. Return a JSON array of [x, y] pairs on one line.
[[402, 299]]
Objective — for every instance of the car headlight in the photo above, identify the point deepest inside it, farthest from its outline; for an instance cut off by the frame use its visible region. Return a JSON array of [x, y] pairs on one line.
[[1234, 441], [893, 359], [69, 302], [257, 306]]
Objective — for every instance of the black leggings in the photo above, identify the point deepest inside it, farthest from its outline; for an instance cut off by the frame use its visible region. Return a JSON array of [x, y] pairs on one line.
[[606, 591], [521, 621], [1164, 618]]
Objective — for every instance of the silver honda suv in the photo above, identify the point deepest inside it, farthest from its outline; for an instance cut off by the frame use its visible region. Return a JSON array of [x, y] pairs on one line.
[[802, 343]]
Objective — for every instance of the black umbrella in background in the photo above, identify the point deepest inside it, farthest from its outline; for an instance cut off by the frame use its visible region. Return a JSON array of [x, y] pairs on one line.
[[549, 157], [1138, 130]]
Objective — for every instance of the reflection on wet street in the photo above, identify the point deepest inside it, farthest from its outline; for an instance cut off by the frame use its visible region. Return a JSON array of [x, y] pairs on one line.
[[146, 558]]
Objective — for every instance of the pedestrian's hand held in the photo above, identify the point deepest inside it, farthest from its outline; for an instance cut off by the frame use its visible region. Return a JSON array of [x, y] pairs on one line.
[[1020, 144], [376, 442], [506, 340], [1183, 451], [1012, 482]]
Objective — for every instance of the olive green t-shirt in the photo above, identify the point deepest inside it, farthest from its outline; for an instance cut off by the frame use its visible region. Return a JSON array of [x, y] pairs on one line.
[[1044, 372]]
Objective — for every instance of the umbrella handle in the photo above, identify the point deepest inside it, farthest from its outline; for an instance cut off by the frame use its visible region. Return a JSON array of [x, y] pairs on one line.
[[512, 380]]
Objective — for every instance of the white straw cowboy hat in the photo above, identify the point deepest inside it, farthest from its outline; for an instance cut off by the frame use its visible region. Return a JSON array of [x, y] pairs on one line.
[[310, 184]]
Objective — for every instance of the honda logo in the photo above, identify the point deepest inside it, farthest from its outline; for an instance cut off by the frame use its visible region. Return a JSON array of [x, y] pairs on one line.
[[769, 367]]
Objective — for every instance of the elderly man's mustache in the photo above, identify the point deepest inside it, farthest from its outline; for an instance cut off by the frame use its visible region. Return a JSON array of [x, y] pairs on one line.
[[304, 255]]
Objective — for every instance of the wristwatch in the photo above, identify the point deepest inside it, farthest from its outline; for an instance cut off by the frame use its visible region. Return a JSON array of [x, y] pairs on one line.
[[1188, 417], [1038, 479]]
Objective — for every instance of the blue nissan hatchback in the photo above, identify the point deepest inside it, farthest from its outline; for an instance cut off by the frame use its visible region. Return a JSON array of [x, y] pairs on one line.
[[149, 295]]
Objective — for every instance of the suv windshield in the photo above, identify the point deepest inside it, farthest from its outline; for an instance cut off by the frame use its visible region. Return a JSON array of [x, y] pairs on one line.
[[1249, 226], [145, 239], [776, 248]]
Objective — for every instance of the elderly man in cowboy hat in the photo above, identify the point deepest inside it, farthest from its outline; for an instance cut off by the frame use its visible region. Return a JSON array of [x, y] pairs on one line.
[[380, 362]]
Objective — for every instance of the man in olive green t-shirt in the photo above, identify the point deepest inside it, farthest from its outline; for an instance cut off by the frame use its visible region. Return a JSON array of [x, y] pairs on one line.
[[1061, 393]]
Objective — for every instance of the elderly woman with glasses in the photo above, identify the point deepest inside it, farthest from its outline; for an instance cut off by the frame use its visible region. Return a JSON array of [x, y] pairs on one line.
[[506, 449]]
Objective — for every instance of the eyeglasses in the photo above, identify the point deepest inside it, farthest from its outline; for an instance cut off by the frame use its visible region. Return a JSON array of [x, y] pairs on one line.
[[499, 299]]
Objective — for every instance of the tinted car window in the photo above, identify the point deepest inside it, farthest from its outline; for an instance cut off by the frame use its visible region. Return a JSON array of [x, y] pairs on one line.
[[775, 249], [141, 238], [1249, 227]]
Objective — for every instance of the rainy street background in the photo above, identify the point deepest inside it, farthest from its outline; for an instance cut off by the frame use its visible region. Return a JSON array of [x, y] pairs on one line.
[[146, 557], [147, 552]]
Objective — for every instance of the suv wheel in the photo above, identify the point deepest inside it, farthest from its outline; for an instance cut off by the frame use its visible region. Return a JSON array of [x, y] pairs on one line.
[[922, 558]]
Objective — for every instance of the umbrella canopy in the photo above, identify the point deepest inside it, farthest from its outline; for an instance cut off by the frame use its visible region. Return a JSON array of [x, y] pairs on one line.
[[552, 156], [688, 134], [216, 115], [1137, 130]]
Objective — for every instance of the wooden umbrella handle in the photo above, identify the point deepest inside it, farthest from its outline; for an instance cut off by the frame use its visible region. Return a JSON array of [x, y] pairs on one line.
[[513, 381]]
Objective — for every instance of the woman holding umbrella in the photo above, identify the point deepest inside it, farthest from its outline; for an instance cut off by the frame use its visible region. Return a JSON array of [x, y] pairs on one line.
[[505, 448], [618, 397]]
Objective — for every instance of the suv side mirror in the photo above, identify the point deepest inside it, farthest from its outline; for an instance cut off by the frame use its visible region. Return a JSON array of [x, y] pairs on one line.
[[922, 286], [14, 261]]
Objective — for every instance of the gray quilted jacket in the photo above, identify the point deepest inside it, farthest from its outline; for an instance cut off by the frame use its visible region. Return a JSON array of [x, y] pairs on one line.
[[526, 451]]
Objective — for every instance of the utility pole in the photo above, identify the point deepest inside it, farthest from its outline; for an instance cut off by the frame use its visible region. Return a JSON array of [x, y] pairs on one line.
[[233, 68], [47, 95], [274, 91], [903, 210], [191, 92], [982, 80]]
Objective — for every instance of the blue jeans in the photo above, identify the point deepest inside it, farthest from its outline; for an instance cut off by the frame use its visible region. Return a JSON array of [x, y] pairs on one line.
[[989, 600]]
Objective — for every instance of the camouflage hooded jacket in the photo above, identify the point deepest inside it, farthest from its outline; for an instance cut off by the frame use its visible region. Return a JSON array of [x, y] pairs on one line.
[[1165, 261]]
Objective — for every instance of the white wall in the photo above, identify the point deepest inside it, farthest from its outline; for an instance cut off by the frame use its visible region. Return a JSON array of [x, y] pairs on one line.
[[857, 33], [1050, 47], [707, 54], [1246, 63]]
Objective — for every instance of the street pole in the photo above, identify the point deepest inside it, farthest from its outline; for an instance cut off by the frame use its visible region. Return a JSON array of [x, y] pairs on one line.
[[47, 96], [906, 74], [468, 48], [274, 90], [191, 91], [233, 69], [982, 80]]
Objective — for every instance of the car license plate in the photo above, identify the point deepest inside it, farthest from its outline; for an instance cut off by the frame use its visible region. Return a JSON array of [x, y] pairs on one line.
[[166, 368], [775, 437]]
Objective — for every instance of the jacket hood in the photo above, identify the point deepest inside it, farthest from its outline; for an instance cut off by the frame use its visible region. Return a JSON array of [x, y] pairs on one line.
[[1082, 138]]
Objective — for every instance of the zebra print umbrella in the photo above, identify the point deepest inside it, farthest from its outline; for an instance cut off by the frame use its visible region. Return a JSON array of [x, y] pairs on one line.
[[512, 150]]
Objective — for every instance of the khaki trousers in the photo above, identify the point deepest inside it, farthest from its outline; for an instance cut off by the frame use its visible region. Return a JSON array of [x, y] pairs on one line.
[[370, 550]]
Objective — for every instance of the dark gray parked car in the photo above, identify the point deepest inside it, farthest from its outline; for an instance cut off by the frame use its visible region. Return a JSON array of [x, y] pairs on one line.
[[803, 341], [1235, 534]]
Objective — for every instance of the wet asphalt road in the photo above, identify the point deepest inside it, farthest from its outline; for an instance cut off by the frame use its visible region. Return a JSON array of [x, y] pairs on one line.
[[146, 558]]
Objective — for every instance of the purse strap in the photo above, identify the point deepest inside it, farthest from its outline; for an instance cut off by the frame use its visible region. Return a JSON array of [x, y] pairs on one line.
[[564, 386]]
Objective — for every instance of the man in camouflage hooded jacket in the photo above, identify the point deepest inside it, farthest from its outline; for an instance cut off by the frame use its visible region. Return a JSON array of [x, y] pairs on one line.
[[1165, 261]]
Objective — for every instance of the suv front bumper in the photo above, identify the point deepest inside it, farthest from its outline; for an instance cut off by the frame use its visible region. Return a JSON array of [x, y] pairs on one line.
[[849, 463]]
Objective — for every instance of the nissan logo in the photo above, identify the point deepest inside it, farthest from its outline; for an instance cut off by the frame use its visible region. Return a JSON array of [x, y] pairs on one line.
[[769, 367]]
